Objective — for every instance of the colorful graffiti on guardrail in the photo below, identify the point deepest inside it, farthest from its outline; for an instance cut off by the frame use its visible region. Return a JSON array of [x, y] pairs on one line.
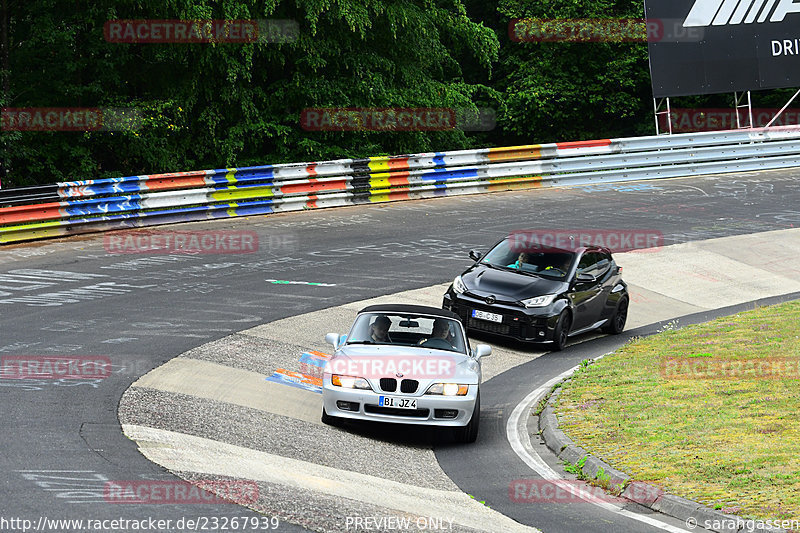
[[70, 208]]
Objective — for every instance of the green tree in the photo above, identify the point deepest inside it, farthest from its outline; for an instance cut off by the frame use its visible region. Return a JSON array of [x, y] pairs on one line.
[[558, 91], [223, 104]]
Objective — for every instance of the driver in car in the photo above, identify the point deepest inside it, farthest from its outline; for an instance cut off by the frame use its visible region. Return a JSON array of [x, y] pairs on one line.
[[379, 330], [441, 331], [521, 259]]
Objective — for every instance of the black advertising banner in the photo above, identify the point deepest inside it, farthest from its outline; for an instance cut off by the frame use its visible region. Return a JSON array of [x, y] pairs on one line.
[[720, 46]]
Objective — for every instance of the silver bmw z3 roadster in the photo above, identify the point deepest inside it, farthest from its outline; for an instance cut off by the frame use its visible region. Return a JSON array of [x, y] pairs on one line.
[[405, 364]]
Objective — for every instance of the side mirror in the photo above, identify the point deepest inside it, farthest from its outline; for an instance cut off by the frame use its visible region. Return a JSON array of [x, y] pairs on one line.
[[333, 339], [585, 278], [482, 350], [475, 255]]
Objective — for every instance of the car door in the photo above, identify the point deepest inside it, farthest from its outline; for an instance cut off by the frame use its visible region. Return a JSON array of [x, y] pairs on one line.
[[607, 270], [586, 296]]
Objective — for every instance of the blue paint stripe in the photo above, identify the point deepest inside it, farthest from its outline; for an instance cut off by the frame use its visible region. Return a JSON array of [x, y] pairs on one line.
[[223, 186], [102, 208], [239, 180], [79, 202], [284, 380], [313, 360], [444, 174]]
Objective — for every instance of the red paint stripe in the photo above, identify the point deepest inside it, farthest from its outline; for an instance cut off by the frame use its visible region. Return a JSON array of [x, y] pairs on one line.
[[584, 144], [399, 178], [398, 195], [398, 163], [29, 213], [196, 173], [314, 186], [162, 184], [312, 169]]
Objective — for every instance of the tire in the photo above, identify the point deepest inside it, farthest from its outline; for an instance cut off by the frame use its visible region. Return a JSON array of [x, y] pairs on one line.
[[469, 433], [330, 420], [561, 333], [617, 322]]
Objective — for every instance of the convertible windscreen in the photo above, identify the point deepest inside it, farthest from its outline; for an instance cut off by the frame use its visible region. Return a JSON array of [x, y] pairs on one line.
[[550, 263], [407, 330]]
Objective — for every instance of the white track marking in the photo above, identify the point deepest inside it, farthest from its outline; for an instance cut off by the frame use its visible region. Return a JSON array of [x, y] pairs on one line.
[[518, 437]]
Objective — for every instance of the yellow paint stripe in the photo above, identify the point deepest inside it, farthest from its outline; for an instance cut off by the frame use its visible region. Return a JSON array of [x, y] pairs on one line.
[[30, 233], [231, 175], [235, 193], [515, 153], [379, 183], [379, 164], [379, 198], [514, 184]]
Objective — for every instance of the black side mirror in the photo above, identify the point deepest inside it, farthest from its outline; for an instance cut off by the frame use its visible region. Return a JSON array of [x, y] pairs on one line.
[[585, 278], [475, 255]]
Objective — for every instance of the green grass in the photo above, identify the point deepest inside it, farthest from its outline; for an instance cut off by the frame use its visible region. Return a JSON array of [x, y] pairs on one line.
[[726, 438]]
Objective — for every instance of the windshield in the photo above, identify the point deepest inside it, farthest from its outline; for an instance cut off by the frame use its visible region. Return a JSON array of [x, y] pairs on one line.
[[408, 330], [549, 263]]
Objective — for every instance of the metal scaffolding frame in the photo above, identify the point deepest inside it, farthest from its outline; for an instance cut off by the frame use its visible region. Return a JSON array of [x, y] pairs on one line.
[[658, 104], [743, 107], [783, 108], [738, 104]]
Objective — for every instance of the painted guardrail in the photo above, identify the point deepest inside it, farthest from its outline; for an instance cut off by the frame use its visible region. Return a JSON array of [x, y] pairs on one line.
[[69, 208]]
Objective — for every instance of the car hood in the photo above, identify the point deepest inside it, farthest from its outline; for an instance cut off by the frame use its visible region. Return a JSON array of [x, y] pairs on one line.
[[506, 285], [459, 367]]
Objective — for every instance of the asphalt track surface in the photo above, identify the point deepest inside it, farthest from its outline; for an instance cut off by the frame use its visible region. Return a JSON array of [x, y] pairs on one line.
[[61, 441]]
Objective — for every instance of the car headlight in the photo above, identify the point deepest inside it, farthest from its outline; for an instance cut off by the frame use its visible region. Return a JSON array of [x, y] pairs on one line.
[[448, 389], [350, 382], [539, 301], [458, 285]]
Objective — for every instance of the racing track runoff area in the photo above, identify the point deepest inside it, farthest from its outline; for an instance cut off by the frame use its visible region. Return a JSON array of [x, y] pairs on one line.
[[197, 336]]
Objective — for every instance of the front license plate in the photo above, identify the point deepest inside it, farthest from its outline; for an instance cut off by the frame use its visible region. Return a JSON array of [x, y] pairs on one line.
[[483, 315], [398, 403]]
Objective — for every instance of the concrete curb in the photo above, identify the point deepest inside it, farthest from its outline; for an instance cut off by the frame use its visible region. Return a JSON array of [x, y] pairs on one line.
[[638, 492]]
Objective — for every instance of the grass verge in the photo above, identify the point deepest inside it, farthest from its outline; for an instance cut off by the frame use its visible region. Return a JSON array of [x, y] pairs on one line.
[[707, 412]]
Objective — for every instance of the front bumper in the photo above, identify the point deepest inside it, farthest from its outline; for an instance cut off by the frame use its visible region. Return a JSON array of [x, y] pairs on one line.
[[431, 409], [526, 324]]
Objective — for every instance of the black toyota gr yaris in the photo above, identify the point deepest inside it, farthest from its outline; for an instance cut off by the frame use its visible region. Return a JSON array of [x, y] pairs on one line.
[[540, 294]]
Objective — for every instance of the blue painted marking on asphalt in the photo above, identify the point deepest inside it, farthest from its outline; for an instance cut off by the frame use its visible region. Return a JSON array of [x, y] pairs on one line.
[[314, 360], [286, 380]]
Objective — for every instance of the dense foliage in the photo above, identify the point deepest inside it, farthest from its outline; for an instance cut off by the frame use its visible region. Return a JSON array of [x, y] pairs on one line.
[[211, 105]]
